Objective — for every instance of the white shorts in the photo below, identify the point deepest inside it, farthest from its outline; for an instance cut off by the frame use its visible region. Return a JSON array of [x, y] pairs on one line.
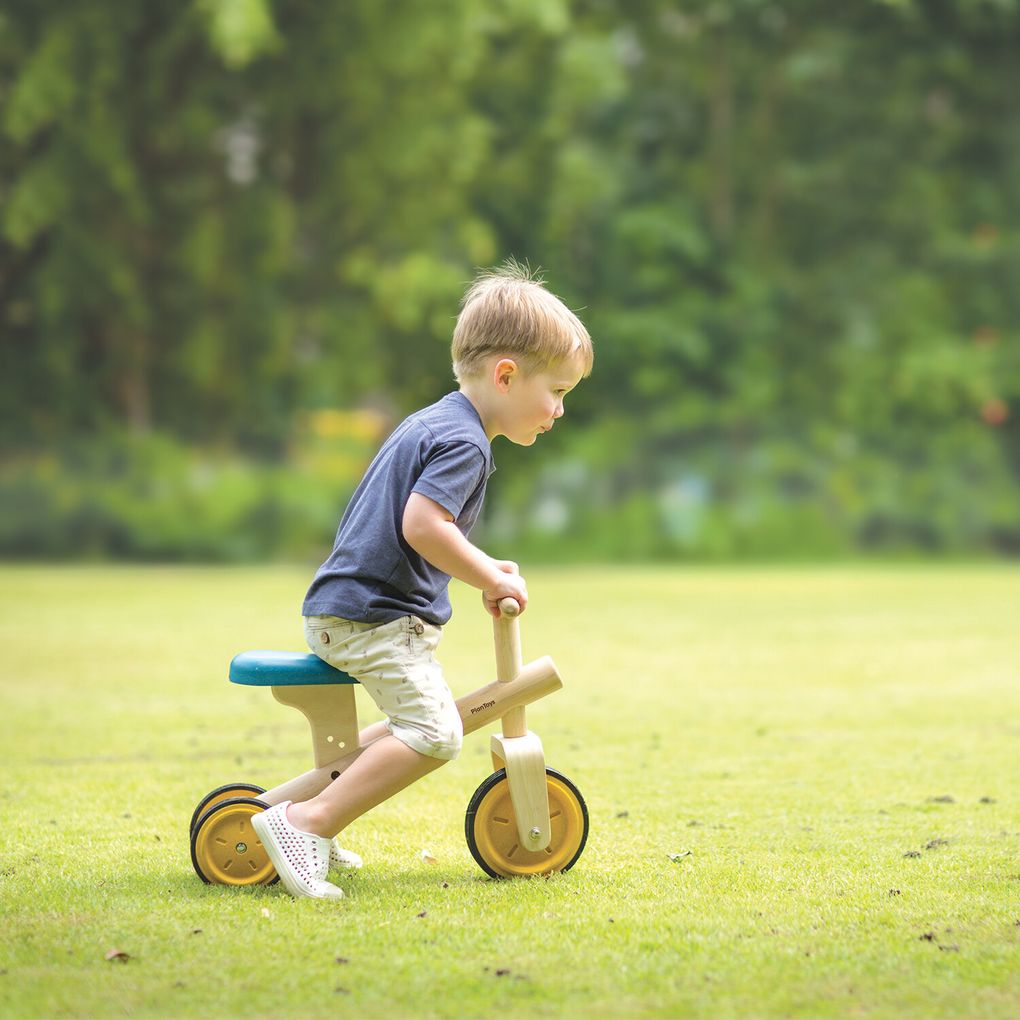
[[396, 664]]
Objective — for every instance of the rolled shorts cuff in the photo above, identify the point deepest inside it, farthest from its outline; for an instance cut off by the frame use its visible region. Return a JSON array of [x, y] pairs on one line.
[[417, 742]]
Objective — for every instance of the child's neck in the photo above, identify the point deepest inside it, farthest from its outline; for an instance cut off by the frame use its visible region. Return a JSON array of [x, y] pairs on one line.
[[477, 397]]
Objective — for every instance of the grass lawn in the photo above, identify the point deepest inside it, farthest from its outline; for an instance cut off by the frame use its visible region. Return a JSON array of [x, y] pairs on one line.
[[802, 786]]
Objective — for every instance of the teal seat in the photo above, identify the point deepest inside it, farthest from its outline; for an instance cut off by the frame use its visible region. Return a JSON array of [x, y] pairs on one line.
[[284, 669]]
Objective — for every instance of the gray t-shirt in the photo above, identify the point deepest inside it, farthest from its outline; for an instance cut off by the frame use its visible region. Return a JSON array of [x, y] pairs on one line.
[[373, 575]]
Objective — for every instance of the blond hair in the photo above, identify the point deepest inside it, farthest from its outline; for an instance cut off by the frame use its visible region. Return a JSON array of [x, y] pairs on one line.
[[508, 311]]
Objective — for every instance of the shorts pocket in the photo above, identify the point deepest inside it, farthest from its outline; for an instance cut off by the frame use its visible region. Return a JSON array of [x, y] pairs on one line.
[[324, 632], [420, 638]]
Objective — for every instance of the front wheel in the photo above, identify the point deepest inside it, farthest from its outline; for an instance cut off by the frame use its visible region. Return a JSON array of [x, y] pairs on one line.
[[491, 828]]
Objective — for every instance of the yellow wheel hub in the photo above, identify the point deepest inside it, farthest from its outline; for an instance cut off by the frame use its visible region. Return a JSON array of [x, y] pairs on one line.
[[226, 850]]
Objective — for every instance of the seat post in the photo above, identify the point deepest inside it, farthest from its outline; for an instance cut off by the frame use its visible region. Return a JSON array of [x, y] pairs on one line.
[[332, 716]]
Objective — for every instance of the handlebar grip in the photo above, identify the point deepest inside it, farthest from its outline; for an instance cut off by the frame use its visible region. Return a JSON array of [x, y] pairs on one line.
[[509, 607]]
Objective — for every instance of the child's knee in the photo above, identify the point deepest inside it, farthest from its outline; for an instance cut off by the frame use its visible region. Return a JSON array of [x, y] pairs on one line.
[[451, 737], [447, 735], [441, 737]]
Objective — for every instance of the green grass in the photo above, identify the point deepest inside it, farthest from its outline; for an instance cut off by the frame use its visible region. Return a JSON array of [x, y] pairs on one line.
[[837, 749]]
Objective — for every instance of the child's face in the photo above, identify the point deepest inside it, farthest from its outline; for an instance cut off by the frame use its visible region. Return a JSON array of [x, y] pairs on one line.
[[535, 399]]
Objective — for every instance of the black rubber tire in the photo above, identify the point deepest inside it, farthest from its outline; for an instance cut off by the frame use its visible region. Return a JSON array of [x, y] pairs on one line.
[[237, 790]]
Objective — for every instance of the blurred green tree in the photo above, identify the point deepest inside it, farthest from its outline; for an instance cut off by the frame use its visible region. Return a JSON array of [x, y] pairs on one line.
[[791, 229]]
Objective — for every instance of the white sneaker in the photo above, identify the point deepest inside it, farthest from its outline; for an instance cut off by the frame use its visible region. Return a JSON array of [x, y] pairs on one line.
[[348, 860], [301, 858]]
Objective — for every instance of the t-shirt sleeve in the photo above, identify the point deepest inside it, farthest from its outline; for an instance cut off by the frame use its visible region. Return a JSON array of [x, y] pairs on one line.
[[451, 474]]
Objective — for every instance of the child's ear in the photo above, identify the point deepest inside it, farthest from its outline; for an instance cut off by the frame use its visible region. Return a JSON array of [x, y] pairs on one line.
[[503, 373]]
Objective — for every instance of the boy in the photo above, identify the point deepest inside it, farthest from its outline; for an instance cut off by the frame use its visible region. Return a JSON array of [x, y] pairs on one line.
[[376, 607]]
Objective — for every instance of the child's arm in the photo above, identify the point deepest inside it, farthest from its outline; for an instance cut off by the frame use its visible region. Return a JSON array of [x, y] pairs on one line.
[[430, 531]]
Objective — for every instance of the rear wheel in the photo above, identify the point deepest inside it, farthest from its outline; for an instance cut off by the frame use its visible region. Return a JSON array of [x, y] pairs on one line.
[[226, 850], [491, 828]]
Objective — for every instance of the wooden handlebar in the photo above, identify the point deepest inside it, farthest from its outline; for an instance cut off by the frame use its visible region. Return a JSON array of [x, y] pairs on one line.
[[507, 632]]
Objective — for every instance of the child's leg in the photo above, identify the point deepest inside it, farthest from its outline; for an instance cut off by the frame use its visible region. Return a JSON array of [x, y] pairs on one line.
[[396, 665], [372, 733], [381, 770]]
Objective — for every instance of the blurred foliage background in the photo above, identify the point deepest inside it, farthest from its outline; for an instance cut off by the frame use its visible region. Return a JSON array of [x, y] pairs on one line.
[[234, 235]]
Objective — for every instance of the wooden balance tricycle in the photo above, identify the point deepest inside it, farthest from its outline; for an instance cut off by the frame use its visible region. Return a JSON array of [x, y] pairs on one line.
[[525, 819]]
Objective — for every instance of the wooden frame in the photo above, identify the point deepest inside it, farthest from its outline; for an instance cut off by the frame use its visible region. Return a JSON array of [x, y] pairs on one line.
[[332, 717]]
